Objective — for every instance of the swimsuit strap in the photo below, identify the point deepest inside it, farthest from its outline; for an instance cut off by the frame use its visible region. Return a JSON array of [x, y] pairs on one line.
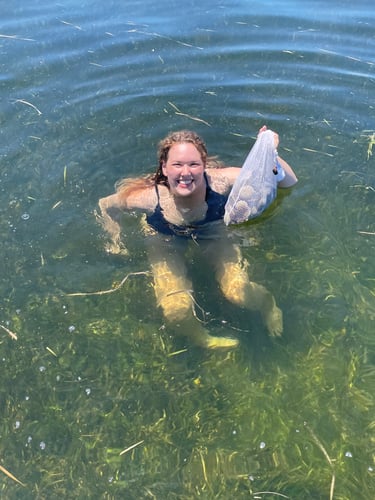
[[158, 196], [208, 187]]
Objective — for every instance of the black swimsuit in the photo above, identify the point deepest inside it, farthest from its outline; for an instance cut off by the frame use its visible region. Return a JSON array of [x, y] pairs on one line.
[[215, 211]]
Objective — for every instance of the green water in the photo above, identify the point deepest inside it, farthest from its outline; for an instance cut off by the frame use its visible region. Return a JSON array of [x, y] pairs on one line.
[[90, 376]]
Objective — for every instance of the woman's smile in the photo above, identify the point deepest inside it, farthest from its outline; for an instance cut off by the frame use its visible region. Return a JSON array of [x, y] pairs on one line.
[[185, 182]]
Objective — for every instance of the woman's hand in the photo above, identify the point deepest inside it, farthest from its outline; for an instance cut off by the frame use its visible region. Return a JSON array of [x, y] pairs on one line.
[[276, 136], [290, 177]]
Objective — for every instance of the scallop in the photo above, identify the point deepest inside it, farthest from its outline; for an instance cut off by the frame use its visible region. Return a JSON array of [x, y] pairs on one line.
[[246, 192]]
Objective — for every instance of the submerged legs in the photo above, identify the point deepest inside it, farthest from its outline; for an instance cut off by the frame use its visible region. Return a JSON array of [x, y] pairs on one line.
[[231, 273], [174, 295]]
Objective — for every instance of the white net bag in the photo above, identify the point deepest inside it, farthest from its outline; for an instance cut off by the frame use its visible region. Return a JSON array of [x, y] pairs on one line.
[[256, 186]]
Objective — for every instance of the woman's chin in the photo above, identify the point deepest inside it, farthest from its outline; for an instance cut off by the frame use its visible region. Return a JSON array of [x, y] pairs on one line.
[[184, 189]]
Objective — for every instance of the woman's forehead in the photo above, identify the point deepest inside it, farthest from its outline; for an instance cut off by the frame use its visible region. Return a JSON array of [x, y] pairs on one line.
[[184, 150]]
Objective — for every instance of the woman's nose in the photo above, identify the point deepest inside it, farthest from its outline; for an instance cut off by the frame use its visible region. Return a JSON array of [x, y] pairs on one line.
[[185, 169]]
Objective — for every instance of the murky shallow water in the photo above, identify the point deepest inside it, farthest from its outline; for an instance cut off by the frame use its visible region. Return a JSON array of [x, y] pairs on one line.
[[87, 91]]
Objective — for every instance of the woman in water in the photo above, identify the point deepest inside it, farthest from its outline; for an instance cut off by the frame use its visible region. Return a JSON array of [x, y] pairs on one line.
[[184, 202]]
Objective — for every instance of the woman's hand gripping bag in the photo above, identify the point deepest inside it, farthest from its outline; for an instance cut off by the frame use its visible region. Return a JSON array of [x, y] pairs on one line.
[[256, 186]]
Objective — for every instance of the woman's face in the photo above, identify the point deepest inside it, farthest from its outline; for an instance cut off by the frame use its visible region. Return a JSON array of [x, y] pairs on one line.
[[184, 169]]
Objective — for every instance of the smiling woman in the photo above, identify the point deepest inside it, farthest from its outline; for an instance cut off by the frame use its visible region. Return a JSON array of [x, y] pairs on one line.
[[184, 168], [184, 198]]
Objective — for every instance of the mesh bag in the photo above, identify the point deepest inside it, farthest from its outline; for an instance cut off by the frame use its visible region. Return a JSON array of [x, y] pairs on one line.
[[256, 186]]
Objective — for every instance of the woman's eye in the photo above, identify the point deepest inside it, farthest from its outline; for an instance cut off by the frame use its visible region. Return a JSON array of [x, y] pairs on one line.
[[193, 164]]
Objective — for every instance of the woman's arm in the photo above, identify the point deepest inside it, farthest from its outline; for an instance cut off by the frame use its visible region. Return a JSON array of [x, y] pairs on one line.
[[290, 177], [111, 208]]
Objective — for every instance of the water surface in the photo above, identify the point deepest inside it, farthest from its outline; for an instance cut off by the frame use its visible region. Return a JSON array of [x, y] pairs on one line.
[[86, 93]]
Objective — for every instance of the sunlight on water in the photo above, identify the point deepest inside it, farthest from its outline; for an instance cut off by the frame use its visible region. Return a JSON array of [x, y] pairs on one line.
[[98, 399]]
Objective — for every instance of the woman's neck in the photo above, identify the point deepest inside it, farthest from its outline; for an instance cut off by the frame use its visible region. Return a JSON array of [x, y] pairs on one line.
[[184, 209], [195, 200]]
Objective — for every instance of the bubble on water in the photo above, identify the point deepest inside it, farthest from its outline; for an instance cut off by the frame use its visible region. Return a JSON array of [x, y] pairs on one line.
[[25, 216], [42, 369], [71, 328], [262, 445], [17, 424], [88, 391], [42, 445], [348, 454]]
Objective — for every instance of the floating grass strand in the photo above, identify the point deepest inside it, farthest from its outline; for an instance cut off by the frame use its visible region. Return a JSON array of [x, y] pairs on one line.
[[29, 104], [129, 448], [204, 314], [70, 24], [158, 35], [9, 474], [269, 493], [204, 470], [332, 488], [371, 143], [9, 332], [16, 37], [328, 458], [51, 351], [369, 137], [57, 204], [179, 112], [194, 304], [111, 290], [316, 151], [176, 353], [319, 444]]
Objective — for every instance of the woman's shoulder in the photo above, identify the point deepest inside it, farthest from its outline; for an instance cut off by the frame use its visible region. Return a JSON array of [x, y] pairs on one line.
[[133, 193], [222, 179], [143, 198]]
